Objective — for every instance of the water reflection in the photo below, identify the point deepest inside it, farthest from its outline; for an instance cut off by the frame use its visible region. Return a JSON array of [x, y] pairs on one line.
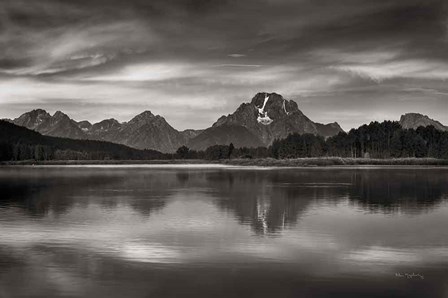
[[269, 201], [273, 200], [261, 199], [40, 191], [222, 232], [408, 191]]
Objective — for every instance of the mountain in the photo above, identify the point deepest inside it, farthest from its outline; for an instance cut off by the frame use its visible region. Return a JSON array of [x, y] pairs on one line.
[[58, 125], [20, 143], [85, 125], [191, 133], [414, 120], [238, 135], [144, 131], [267, 117], [105, 130], [148, 131]]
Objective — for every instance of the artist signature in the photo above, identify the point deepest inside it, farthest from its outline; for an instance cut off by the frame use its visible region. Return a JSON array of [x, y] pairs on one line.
[[409, 275]]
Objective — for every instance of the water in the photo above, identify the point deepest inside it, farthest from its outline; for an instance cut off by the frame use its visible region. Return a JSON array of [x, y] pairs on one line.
[[153, 231]]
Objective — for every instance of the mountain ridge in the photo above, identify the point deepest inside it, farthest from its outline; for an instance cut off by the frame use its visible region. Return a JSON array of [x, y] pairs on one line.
[[258, 122], [144, 131], [415, 120]]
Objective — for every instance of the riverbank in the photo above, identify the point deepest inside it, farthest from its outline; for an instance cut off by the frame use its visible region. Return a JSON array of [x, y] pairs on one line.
[[336, 161], [111, 162], [263, 162]]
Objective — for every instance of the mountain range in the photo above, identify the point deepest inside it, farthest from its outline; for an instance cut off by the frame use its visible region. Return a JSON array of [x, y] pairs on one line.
[[268, 116], [144, 131]]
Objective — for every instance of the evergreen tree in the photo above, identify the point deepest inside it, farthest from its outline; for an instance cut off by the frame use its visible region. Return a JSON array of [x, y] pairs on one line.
[[183, 152]]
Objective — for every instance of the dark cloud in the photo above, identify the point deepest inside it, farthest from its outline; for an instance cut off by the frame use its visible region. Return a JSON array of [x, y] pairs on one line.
[[214, 54]]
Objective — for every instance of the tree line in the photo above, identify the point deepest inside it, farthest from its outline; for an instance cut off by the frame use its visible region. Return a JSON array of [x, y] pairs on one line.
[[375, 140]]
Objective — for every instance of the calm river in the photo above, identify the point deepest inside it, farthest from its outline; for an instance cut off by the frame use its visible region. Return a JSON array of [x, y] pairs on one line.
[[212, 231]]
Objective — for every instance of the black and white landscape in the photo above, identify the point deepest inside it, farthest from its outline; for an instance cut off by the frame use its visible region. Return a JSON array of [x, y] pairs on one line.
[[255, 124], [223, 148], [267, 126]]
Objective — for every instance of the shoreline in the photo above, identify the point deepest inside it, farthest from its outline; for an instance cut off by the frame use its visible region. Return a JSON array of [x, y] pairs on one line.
[[264, 162]]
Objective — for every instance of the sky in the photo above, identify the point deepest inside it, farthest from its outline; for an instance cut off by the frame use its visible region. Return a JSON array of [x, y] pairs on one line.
[[191, 61]]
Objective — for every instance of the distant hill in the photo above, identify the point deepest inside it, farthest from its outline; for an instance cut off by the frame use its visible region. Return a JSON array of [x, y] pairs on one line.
[[58, 125], [20, 143], [144, 131], [267, 117], [415, 120]]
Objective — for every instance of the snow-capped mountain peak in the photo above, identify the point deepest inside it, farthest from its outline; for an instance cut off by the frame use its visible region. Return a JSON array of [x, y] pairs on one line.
[[263, 117]]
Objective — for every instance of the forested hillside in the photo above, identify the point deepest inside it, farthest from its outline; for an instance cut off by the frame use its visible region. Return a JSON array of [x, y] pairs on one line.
[[19, 143], [375, 140]]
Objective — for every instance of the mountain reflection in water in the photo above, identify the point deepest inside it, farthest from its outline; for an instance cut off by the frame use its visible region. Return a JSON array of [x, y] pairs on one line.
[[225, 232]]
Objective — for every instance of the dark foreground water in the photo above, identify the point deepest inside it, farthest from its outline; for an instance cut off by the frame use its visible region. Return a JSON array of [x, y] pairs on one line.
[[223, 232]]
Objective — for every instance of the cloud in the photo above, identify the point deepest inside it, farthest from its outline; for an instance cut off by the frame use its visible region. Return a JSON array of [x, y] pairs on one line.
[[237, 55], [417, 69], [67, 48], [239, 65], [213, 55], [381, 65], [148, 72]]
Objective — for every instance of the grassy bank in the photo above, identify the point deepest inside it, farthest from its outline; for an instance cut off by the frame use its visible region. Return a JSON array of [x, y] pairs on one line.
[[264, 162], [110, 162], [336, 161]]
